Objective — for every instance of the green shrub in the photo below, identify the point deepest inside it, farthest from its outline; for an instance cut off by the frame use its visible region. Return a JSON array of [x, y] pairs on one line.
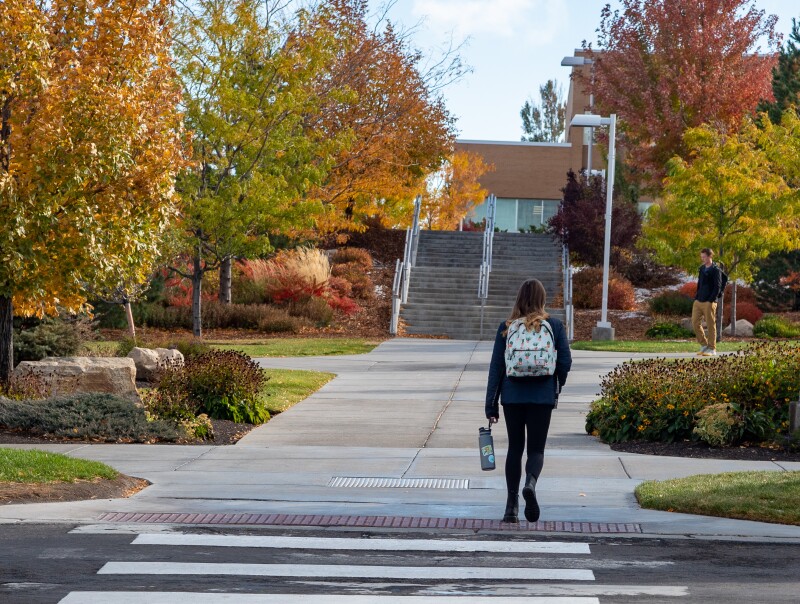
[[101, 417], [718, 425], [660, 400], [353, 255], [224, 384], [49, 338], [773, 326], [668, 331], [672, 303]]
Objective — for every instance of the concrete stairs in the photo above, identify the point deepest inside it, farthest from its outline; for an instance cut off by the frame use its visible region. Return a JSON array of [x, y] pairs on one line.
[[443, 291]]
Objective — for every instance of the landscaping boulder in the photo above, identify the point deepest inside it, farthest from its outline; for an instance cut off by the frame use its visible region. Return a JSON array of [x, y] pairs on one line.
[[744, 329], [150, 362], [687, 324], [68, 375]]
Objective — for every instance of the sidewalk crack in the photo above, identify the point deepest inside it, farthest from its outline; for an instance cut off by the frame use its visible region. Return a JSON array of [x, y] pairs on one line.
[[411, 464], [186, 463], [780, 466], [452, 395], [624, 469]]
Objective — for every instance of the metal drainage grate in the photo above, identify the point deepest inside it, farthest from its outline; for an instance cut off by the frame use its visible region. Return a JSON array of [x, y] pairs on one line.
[[398, 483]]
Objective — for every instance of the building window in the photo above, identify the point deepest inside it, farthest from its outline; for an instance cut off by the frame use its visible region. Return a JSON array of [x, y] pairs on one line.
[[514, 215]]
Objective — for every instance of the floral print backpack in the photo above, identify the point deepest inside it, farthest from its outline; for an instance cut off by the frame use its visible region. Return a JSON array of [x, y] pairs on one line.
[[530, 353]]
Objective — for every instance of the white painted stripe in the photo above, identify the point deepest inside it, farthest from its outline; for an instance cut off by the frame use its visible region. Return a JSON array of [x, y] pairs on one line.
[[335, 543], [346, 570], [131, 597]]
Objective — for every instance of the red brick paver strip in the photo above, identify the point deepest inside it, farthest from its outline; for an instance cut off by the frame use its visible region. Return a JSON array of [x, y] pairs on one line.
[[368, 522]]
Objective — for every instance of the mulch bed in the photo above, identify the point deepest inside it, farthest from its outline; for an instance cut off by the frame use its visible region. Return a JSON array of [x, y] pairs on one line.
[[700, 450], [99, 488], [225, 433]]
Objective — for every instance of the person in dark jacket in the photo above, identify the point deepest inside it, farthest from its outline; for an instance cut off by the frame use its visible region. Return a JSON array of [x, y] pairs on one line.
[[709, 288], [527, 401]]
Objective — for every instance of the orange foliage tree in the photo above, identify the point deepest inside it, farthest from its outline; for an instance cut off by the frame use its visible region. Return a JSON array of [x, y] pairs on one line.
[[665, 67], [90, 141], [454, 191], [400, 130]]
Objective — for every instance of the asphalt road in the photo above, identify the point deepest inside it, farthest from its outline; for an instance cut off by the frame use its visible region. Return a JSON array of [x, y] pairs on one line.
[[48, 563]]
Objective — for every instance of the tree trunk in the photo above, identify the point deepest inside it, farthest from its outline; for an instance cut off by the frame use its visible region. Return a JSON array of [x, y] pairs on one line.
[[197, 291], [733, 309], [225, 280], [126, 304], [6, 340]]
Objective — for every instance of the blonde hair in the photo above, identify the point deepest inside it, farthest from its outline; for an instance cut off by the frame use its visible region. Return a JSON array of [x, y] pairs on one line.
[[531, 300]]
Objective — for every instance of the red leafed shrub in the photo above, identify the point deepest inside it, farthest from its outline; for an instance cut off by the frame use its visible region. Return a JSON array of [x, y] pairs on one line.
[[587, 290], [744, 310], [361, 284], [689, 289], [343, 304], [340, 287]]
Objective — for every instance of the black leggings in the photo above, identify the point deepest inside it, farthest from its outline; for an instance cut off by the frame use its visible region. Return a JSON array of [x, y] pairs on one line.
[[519, 418]]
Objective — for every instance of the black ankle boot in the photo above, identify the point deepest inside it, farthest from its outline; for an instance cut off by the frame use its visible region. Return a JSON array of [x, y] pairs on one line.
[[512, 508], [529, 495]]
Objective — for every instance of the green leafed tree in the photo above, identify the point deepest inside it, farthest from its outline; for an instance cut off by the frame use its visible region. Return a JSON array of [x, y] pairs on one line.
[[544, 122], [252, 78], [785, 78], [729, 195]]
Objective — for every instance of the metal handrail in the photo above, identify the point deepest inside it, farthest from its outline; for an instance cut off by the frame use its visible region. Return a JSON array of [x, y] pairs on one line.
[[402, 274], [486, 262], [569, 310]]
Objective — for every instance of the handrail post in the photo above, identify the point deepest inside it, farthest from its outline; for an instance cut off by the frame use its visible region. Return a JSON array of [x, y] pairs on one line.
[[398, 275]]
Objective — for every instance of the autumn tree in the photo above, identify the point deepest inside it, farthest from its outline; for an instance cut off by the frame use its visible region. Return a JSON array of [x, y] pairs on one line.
[[400, 130], [454, 191], [727, 196], [251, 88], [545, 121], [90, 140], [785, 78], [665, 67], [580, 220]]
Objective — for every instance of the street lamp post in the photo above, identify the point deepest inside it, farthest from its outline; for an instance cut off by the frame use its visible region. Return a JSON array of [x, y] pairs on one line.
[[579, 62], [603, 330]]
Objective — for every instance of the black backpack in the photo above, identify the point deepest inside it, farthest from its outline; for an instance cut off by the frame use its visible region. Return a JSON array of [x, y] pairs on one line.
[[723, 278]]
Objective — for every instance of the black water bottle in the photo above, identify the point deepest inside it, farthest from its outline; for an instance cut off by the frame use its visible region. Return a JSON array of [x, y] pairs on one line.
[[486, 446]]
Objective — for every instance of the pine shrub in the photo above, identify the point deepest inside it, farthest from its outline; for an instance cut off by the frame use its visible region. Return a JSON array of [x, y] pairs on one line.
[[100, 417], [672, 303]]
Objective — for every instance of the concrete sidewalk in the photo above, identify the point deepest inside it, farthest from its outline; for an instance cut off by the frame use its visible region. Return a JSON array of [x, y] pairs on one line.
[[410, 409]]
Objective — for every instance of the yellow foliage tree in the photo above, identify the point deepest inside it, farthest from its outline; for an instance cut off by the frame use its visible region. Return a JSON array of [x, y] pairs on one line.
[[90, 141], [454, 191]]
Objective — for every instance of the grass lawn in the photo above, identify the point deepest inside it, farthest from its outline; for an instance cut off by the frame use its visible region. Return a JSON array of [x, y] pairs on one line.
[[287, 387], [18, 465], [652, 346], [761, 496], [297, 347]]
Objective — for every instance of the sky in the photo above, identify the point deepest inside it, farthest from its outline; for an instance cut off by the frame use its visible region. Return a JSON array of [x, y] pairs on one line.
[[513, 46]]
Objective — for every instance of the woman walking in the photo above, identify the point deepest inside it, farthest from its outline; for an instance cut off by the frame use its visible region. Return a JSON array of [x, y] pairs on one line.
[[530, 363]]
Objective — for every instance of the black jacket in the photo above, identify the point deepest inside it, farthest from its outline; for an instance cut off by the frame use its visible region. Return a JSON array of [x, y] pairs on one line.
[[541, 390], [709, 283]]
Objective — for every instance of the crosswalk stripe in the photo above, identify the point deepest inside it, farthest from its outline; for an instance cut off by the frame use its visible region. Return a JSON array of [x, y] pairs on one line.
[[121, 597], [356, 544], [348, 571]]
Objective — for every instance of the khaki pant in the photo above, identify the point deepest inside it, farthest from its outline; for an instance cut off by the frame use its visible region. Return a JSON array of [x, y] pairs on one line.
[[707, 311]]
